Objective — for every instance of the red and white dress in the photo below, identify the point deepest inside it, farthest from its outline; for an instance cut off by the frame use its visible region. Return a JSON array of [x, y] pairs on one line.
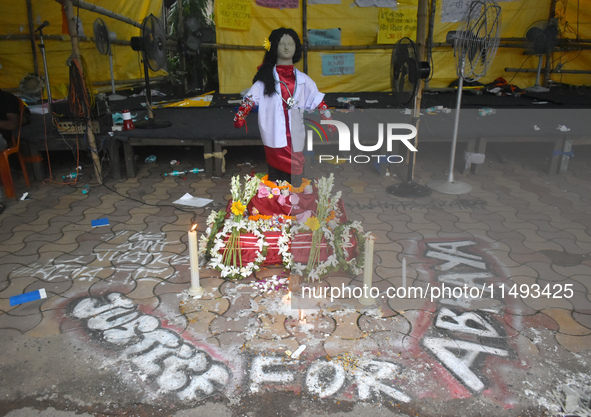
[[281, 124]]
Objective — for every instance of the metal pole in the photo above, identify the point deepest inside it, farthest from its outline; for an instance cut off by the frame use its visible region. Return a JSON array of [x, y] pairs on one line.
[[450, 175], [42, 48], [547, 69], [111, 67]]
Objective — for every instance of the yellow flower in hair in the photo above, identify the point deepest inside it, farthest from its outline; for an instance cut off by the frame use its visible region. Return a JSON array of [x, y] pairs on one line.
[[267, 45]]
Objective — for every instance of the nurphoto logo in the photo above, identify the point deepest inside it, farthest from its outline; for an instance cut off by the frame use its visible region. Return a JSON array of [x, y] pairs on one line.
[[387, 132]]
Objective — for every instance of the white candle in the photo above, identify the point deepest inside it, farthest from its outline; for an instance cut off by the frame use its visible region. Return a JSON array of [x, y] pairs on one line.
[[404, 272], [302, 318], [368, 272], [196, 289]]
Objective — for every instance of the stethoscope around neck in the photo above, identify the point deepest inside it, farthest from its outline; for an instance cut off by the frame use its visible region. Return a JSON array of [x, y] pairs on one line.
[[290, 102]]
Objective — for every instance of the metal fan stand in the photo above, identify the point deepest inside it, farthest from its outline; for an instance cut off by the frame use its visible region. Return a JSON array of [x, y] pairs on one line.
[[113, 96], [151, 122], [537, 88], [475, 45], [451, 186], [102, 39], [410, 188], [151, 43]]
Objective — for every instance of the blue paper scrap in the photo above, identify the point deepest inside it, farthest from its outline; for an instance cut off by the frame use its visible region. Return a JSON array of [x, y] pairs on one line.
[[100, 222], [28, 296], [325, 37], [338, 64]]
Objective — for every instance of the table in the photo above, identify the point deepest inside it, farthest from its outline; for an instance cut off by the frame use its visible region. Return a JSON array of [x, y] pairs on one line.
[[38, 137], [194, 126]]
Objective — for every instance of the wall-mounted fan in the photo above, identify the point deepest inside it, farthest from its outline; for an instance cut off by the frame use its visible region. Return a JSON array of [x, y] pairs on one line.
[[406, 73], [475, 45], [102, 40], [541, 37], [152, 44]]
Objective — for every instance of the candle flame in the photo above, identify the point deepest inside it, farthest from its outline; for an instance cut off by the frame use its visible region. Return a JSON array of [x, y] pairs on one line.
[[194, 227], [301, 315]]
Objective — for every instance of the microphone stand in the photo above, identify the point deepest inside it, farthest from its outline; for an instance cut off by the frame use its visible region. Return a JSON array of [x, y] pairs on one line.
[[42, 47]]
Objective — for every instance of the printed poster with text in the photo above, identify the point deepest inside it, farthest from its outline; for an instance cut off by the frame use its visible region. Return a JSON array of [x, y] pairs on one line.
[[234, 14], [397, 24]]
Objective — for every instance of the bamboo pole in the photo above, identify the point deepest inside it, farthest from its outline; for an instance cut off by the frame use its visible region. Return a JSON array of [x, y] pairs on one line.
[[102, 11], [32, 37], [76, 52], [422, 21], [305, 34]]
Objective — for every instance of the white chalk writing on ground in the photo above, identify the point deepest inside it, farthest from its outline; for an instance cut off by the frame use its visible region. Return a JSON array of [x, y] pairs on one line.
[[160, 354], [178, 366], [139, 255], [451, 344]]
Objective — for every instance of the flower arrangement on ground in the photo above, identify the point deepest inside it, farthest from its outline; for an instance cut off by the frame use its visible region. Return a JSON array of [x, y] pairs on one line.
[[266, 223]]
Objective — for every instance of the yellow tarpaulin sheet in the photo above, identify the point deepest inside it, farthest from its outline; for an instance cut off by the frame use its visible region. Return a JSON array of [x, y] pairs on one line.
[[360, 27], [16, 56]]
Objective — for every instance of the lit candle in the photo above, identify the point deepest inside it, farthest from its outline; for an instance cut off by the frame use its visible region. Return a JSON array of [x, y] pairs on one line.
[[368, 273], [196, 289], [287, 298], [302, 318]]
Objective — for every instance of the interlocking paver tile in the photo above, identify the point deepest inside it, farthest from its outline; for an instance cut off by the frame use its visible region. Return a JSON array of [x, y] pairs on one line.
[[566, 323], [574, 343], [335, 346]]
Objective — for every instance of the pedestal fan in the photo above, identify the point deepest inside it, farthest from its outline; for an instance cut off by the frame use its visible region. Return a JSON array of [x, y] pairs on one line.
[[102, 40], [152, 44], [406, 74], [541, 38], [475, 44]]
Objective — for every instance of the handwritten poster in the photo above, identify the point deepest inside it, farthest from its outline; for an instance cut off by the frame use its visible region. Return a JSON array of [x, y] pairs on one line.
[[394, 25], [234, 14], [454, 10], [376, 3], [338, 64], [324, 37], [279, 4]]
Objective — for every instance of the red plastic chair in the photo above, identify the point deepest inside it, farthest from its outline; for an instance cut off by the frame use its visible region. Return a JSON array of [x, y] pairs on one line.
[[5, 173]]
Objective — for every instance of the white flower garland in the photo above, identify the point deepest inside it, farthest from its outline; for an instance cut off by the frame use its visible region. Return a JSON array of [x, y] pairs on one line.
[[354, 265], [322, 267], [283, 243], [233, 271]]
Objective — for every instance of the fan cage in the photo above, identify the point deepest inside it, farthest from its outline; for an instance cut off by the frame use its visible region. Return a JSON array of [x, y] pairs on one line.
[[101, 37], [477, 39], [404, 76], [153, 40]]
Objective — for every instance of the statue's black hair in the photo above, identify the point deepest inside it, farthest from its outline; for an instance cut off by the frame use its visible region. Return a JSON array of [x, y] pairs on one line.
[[265, 72]]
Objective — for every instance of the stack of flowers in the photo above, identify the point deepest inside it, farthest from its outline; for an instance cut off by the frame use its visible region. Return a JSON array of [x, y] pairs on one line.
[[267, 223]]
